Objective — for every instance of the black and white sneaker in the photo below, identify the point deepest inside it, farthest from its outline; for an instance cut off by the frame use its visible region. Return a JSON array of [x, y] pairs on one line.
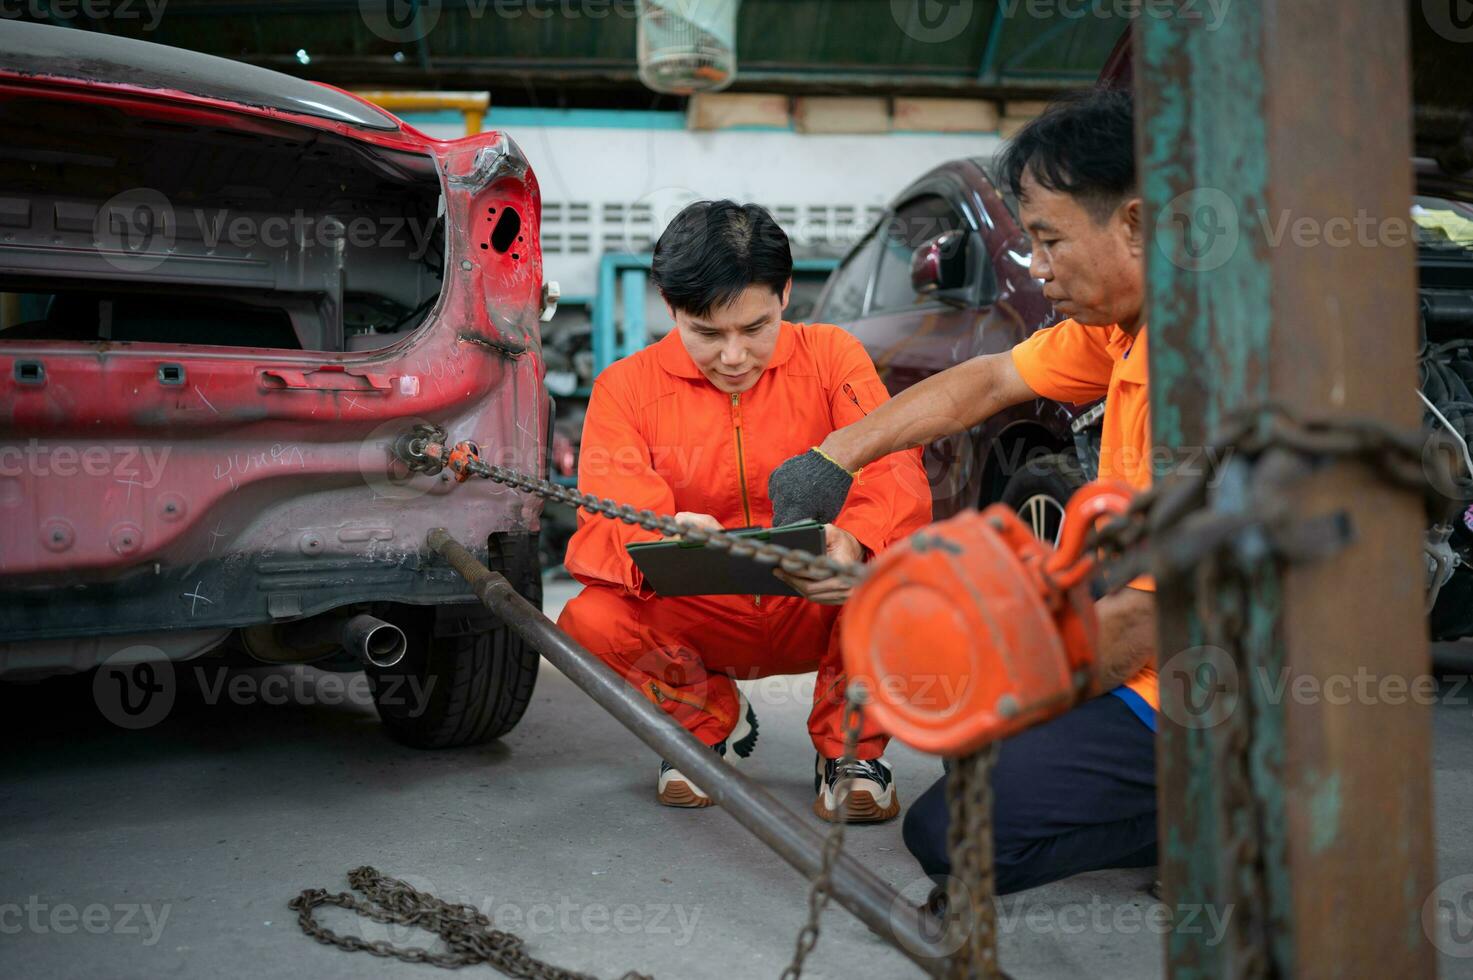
[[676, 789], [871, 797]]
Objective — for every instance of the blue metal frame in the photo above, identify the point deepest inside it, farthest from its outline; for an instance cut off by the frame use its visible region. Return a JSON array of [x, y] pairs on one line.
[[616, 269]]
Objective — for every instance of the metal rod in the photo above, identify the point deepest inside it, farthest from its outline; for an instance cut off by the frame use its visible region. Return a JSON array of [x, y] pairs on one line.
[[871, 900]]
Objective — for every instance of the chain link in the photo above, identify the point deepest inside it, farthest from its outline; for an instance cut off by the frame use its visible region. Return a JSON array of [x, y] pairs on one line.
[[425, 451], [971, 887], [1168, 515], [471, 938], [1161, 514], [1234, 537], [1224, 593], [468, 933], [821, 888]]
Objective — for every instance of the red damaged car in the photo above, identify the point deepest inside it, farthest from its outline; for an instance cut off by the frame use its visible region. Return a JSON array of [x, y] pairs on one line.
[[224, 294]]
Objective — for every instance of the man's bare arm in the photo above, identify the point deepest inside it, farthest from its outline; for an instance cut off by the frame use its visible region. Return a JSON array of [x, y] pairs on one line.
[[949, 402], [1127, 638]]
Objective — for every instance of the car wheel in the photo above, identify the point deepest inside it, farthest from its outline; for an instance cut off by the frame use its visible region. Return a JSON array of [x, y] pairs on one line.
[[454, 690], [1039, 491]]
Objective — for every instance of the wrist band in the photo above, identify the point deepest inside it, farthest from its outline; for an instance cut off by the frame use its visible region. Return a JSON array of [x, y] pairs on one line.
[[834, 461]]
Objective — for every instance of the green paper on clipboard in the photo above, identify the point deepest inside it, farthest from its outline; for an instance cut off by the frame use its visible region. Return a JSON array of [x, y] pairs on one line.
[[674, 568]]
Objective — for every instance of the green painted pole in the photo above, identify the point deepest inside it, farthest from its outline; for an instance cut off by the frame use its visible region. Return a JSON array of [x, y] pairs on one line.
[[1300, 819]]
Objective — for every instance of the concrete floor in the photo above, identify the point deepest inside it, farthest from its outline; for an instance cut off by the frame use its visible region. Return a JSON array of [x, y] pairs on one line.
[[172, 850]]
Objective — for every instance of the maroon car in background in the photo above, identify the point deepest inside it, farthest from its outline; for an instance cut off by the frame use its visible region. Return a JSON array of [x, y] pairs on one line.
[[224, 294], [942, 277]]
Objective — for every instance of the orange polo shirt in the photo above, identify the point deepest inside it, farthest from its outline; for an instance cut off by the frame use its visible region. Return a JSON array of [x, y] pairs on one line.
[[1070, 362]]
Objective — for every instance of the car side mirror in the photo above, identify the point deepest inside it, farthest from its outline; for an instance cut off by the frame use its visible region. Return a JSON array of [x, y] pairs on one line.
[[939, 268]]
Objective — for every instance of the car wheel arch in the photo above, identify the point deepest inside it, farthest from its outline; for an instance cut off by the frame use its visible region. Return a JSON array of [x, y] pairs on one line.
[[1007, 450]]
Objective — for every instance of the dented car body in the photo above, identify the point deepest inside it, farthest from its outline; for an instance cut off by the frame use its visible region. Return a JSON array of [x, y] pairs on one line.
[[226, 293]]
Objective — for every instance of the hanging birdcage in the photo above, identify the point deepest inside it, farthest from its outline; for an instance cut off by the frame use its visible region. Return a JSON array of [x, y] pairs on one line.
[[687, 46]]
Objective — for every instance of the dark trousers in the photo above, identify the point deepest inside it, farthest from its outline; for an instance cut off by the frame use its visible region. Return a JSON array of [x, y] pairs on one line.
[[1074, 794]]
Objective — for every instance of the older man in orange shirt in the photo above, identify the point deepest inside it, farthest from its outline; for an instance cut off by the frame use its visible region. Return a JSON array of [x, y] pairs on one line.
[[1077, 793]]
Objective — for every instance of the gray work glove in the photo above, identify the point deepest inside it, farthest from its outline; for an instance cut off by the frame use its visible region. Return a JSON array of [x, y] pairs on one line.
[[808, 487]]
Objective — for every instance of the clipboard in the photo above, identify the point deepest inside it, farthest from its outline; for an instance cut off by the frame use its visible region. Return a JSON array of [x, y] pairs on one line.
[[678, 568]]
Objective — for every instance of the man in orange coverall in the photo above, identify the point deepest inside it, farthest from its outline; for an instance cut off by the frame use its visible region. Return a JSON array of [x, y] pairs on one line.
[[693, 425]]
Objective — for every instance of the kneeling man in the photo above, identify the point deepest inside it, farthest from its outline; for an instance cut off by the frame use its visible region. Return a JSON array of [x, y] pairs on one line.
[[693, 425]]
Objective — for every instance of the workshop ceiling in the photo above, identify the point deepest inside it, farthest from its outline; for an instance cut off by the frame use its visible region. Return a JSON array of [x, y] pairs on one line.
[[582, 52]]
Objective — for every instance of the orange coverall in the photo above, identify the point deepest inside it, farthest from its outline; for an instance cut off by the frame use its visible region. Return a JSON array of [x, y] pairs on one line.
[[659, 435]]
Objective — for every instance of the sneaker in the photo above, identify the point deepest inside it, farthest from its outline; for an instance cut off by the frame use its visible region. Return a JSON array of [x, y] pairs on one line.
[[871, 797], [676, 789]]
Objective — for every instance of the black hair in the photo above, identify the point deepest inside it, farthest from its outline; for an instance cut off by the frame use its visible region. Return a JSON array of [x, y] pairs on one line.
[[1082, 145], [713, 250]]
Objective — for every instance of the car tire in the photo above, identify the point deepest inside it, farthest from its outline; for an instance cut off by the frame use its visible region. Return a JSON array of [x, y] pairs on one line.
[[451, 691], [1040, 490]]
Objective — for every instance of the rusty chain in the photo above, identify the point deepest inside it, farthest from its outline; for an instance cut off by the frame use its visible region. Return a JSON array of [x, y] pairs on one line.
[[471, 938], [425, 451], [970, 890], [1171, 525], [468, 933], [821, 887], [1154, 515], [1224, 598], [1165, 526], [1232, 537]]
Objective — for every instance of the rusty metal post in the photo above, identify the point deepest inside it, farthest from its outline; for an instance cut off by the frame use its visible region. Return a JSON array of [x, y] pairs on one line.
[[1275, 172], [873, 901]]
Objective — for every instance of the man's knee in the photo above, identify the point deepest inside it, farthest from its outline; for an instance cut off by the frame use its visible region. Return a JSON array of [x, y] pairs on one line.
[[598, 617], [925, 830], [1013, 871]]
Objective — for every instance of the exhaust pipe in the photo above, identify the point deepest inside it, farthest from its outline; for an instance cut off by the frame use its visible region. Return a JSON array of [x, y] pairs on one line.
[[374, 641]]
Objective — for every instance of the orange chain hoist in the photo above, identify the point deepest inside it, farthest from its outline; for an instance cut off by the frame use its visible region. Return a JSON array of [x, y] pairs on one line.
[[973, 629]]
